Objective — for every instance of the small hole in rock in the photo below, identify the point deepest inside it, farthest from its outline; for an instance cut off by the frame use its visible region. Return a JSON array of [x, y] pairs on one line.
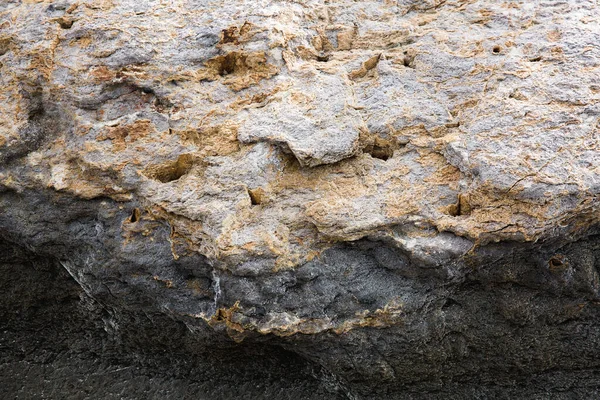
[[259, 311], [496, 49], [65, 23], [381, 149], [461, 207], [323, 57], [4, 46], [557, 262], [408, 61], [135, 215], [229, 35], [256, 196], [171, 171], [535, 59], [449, 303], [453, 210], [381, 153], [228, 64]]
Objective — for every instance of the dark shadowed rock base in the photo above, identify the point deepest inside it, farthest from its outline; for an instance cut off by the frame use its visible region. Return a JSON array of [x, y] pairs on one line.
[[57, 343]]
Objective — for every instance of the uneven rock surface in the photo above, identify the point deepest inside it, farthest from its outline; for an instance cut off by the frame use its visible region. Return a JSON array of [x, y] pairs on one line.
[[384, 199]]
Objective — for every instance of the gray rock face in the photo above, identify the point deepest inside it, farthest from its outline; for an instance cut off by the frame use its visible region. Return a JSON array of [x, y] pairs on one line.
[[400, 198]]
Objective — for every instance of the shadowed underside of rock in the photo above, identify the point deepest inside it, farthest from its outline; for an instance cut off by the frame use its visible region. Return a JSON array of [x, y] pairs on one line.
[[401, 198]]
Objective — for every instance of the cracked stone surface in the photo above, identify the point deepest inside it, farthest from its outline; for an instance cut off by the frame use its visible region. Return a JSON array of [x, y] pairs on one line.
[[402, 196]]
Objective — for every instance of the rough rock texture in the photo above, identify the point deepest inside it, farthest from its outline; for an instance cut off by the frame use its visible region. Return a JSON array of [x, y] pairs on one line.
[[399, 195], [55, 343]]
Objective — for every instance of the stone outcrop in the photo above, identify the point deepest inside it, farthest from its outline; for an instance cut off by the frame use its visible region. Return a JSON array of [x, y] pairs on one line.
[[403, 194]]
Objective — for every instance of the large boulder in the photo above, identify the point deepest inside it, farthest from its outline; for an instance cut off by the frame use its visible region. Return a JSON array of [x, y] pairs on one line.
[[404, 194]]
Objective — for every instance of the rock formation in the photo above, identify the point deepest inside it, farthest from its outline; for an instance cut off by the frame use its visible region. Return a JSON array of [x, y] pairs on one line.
[[400, 197]]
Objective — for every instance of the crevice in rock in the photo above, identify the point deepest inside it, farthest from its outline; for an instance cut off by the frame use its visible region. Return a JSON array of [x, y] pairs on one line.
[[461, 207], [111, 91], [172, 170], [227, 64], [409, 58], [557, 263], [5, 44], [256, 196], [380, 152], [381, 149], [235, 35], [65, 23], [239, 69], [135, 215], [449, 303]]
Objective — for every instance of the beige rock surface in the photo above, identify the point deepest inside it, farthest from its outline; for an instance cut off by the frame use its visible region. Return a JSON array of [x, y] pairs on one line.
[[349, 119]]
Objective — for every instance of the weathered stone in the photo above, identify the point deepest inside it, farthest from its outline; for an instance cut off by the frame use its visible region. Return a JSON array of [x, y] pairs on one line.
[[403, 193]]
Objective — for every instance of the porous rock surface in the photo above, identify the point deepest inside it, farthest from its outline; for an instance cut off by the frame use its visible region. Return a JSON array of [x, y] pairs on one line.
[[403, 195]]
